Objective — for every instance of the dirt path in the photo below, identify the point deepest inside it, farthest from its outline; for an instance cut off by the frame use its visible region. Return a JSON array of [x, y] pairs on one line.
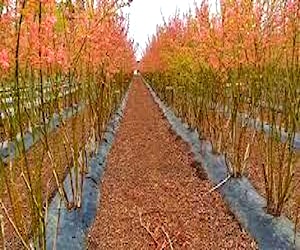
[[151, 195]]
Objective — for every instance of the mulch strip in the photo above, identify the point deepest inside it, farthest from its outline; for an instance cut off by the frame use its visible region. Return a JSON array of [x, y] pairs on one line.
[[151, 193]]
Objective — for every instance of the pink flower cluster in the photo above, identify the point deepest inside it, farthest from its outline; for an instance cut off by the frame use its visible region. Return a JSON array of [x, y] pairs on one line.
[[4, 59]]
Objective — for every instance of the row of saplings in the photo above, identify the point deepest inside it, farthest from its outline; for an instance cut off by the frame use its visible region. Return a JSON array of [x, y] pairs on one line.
[[29, 182], [216, 107]]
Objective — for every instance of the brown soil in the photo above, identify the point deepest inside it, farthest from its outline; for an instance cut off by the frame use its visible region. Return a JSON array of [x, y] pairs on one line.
[[153, 196]]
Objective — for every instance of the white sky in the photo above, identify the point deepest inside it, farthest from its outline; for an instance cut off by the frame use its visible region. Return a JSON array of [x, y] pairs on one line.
[[145, 15]]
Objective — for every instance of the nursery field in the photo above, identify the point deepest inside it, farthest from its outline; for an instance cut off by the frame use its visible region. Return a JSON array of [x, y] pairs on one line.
[[194, 146]]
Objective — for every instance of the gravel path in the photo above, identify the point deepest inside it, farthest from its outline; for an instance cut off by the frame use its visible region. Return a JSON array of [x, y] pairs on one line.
[[152, 197]]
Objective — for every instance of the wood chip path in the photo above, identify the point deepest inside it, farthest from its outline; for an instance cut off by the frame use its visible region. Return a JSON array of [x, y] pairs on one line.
[[152, 196]]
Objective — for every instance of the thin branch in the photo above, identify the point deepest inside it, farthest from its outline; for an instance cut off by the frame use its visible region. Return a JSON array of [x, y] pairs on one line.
[[146, 227], [14, 226], [168, 237]]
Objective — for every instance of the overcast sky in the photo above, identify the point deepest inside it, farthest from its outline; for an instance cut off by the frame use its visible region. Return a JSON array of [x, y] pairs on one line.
[[144, 15]]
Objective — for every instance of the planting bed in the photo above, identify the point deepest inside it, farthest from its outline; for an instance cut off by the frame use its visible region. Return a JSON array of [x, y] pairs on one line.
[[36, 157], [31, 180], [254, 170], [244, 201], [65, 228], [256, 176], [154, 194]]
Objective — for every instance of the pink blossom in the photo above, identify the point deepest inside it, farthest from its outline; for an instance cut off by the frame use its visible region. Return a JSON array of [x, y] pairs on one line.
[[49, 55], [291, 6], [51, 20], [4, 59], [60, 57]]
